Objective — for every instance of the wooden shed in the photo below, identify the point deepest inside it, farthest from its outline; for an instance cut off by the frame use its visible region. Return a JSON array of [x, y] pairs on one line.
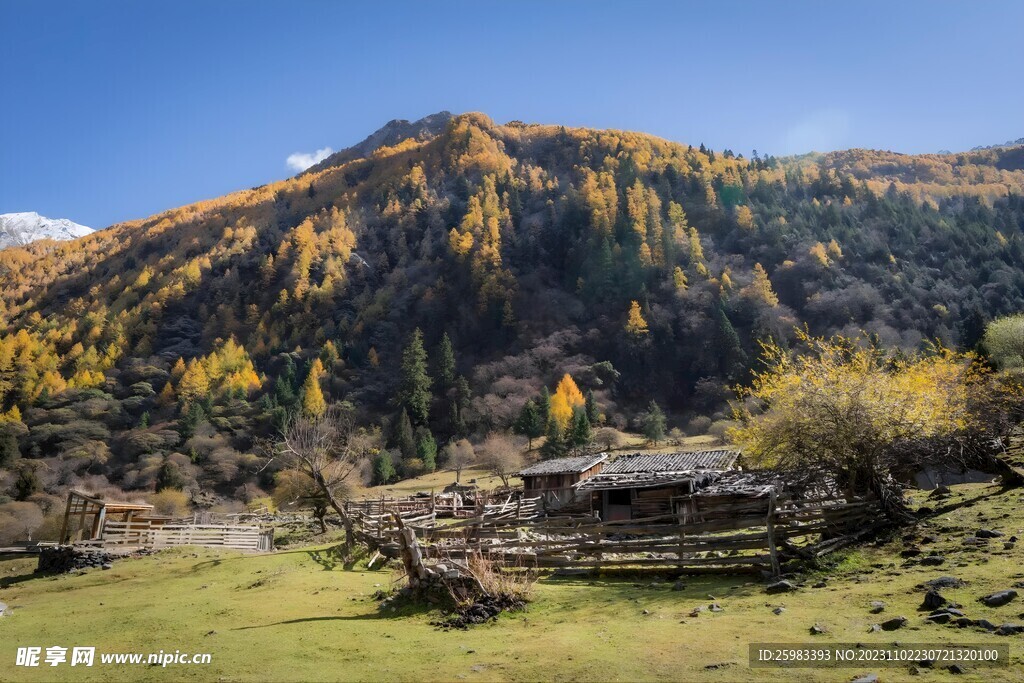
[[555, 480], [86, 516], [648, 484]]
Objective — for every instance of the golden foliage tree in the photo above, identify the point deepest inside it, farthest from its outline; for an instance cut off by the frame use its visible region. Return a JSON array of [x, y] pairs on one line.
[[636, 326], [313, 403]]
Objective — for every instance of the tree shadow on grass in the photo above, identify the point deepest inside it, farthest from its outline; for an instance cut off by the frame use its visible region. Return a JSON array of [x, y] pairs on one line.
[[407, 610]]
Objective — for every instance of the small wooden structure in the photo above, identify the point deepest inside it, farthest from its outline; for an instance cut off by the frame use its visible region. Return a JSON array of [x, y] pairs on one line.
[[91, 520], [649, 484], [554, 481], [90, 515]]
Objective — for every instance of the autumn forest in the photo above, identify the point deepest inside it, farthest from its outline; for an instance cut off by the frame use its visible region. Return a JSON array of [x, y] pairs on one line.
[[460, 278]]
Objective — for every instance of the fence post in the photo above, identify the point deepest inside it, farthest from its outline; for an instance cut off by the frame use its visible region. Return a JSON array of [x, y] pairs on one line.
[[770, 523]]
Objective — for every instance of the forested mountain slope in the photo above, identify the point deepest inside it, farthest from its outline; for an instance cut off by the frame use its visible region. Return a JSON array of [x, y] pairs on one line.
[[154, 352]]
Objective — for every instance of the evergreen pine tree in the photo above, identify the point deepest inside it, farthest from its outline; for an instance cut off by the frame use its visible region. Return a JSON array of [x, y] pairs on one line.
[[426, 449], [555, 446], [591, 407], [383, 468], [529, 423], [404, 438], [580, 430], [445, 364], [414, 394]]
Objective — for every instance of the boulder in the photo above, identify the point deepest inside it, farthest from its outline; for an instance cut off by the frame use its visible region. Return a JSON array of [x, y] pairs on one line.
[[988, 533], [999, 598], [894, 624], [1009, 629], [932, 560], [933, 600], [945, 582], [877, 607], [779, 587]]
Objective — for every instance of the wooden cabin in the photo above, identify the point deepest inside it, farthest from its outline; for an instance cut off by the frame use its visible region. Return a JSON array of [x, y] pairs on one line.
[[555, 481], [649, 484]]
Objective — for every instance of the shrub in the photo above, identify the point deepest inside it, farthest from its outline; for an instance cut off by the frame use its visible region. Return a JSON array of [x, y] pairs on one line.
[[171, 503]]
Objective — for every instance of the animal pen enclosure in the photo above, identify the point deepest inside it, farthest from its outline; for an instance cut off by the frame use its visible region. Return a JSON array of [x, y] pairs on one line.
[[743, 522], [89, 520]]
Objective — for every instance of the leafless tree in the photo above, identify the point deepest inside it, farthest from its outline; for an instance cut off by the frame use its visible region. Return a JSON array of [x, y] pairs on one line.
[[329, 449], [502, 455], [459, 455]]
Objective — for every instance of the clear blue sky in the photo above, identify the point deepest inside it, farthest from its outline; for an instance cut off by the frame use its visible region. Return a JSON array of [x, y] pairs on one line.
[[118, 110]]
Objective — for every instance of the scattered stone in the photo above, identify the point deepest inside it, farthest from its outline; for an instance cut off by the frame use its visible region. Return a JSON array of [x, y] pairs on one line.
[[818, 630], [779, 587], [933, 600], [974, 540], [988, 533], [778, 610], [911, 552], [678, 586], [719, 665], [820, 584], [107, 565], [3, 608], [877, 607], [1009, 629], [1009, 545], [928, 539], [985, 624], [932, 560], [715, 607], [956, 669], [939, 618], [940, 492], [646, 611], [945, 582], [874, 628], [999, 598], [894, 623], [870, 678]]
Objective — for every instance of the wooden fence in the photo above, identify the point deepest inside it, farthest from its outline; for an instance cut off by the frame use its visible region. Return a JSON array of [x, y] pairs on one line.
[[721, 534], [142, 533]]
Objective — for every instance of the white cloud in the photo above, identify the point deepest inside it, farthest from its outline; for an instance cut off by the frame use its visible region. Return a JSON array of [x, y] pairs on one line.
[[819, 131], [300, 161]]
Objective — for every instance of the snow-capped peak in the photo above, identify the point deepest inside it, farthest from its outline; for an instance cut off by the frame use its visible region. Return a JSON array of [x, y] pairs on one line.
[[29, 226]]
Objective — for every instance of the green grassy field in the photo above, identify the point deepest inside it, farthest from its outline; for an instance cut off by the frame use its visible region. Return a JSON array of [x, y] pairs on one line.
[[298, 615]]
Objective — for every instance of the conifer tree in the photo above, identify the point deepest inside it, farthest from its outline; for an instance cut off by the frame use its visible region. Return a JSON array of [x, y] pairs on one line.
[[555, 445], [313, 403], [590, 406], [529, 423], [636, 326], [414, 394], [426, 449], [654, 423], [195, 383], [404, 438], [445, 364], [580, 434]]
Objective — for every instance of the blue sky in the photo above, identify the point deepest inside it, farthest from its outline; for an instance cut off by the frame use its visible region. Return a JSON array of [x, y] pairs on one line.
[[117, 110]]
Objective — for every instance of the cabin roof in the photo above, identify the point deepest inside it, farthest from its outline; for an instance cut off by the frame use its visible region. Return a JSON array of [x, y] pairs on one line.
[[575, 465], [646, 480], [683, 461]]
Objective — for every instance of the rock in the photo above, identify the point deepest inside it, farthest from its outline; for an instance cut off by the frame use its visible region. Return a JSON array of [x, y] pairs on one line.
[[874, 628], [932, 560], [939, 618], [985, 624], [988, 533], [678, 586], [945, 582], [1009, 629], [870, 678], [107, 565], [933, 600], [715, 607], [999, 598], [820, 584], [1009, 545], [956, 669], [910, 552], [818, 630], [877, 607], [974, 540], [646, 611], [894, 623], [940, 491], [778, 610], [779, 587], [440, 568], [3, 608]]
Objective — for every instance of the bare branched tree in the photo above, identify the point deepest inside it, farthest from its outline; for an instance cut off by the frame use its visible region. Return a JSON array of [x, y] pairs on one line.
[[329, 449], [502, 455]]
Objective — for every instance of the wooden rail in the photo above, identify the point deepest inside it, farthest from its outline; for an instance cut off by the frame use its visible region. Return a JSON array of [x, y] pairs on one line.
[[143, 534]]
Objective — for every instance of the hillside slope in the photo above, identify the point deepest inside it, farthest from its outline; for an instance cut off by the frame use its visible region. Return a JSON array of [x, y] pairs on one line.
[[646, 269]]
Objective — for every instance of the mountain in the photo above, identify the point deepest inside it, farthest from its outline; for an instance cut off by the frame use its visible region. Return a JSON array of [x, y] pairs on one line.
[[160, 351], [29, 226]]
